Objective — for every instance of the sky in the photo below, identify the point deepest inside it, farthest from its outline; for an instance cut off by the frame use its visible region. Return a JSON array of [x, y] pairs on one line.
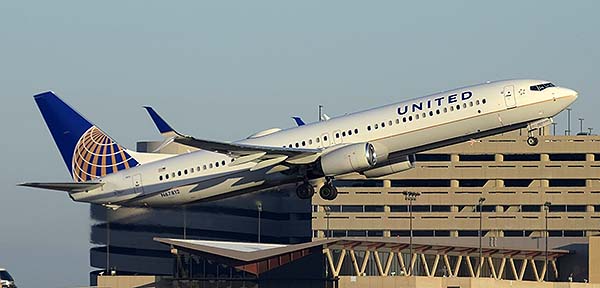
[[225, 69]]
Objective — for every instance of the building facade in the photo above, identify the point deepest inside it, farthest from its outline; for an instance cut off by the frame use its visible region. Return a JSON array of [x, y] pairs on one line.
[[516, 181]]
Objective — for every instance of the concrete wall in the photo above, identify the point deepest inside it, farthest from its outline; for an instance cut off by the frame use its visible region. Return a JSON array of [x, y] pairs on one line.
[[124, 281]]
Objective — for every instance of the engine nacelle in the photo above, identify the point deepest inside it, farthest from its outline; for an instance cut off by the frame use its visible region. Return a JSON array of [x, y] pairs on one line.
[[352, 158], [405, 163]]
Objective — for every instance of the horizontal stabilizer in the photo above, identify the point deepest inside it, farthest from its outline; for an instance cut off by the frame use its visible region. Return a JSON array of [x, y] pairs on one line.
[[71, 187]]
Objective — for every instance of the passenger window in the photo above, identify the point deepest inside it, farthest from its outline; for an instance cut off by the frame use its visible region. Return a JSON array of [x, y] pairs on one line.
[[297, 145], [430, 113], [437, 111], [223, 162], [464, 105], [451, 108], [325, 138], [309, 141], [404, 119], [369, 128], [349, 132], [160, 178], [376, 126], [470, 103], [198, 168], [185, 171], [318, 140], [210, 165], [204, 167], [390, 123], [355, 130], [457, 107], [337, 135], [477, 102], [410, 118], [445, 109], [417, 116], [217, 164], [303, 143], [344, 134], [483, 101], [424, 115], [397, 121], [167, 176], [382, 124]]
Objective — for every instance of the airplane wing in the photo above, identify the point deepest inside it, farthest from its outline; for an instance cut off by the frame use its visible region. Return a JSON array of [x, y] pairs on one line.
[[71, 187], [292, 155], [243, 153]]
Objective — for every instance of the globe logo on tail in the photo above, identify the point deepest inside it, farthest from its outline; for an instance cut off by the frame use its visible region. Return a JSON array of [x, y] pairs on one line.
[[97, 155]]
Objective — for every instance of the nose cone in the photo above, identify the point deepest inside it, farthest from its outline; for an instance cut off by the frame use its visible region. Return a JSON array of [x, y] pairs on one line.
[[569, 94]]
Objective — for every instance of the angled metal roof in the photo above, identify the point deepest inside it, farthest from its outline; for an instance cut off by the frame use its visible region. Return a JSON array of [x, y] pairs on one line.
[[253, 252]]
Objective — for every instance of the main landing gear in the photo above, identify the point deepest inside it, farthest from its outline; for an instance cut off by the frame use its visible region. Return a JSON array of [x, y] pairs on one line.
[[305, 190], [327, 191]]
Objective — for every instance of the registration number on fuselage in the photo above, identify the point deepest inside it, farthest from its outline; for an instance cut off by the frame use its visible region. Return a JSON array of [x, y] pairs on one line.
[[169, 193]]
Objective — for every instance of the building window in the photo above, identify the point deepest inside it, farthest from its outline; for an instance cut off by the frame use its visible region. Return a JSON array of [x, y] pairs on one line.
[[432, 157], [421, 183], [476, 157], [567, 157], [517, 182], [567, 182], [522, 157]]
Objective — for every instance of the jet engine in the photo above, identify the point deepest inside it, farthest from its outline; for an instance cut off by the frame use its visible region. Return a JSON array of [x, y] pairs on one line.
[[356, 157], [402, 164]]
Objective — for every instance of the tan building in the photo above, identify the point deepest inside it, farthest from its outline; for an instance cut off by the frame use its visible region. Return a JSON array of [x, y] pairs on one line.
[[515, 179]]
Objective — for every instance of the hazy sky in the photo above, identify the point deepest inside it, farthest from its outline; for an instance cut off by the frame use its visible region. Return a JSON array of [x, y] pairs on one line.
[[223, 70]]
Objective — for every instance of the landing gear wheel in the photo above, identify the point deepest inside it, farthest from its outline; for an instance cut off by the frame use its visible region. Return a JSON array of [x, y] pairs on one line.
[[305, 191], [328, 191], [532, 141]]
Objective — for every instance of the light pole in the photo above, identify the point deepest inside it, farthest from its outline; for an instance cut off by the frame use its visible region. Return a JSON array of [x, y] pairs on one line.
[[259, 208], [568, 131], [554, 128], [327, 213], [481, 200], [410, 197], [581, 125], [546, 209], [107, 241]]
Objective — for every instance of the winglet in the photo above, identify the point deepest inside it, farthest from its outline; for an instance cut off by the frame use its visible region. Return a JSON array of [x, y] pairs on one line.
[[299, 121], [163, 127]]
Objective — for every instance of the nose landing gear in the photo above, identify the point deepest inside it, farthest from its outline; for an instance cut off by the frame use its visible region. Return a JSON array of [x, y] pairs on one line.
[[532, 141]]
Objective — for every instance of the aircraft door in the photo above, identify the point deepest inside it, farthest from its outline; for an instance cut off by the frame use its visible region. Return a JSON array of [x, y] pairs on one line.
[[509, 96], [137, 183]]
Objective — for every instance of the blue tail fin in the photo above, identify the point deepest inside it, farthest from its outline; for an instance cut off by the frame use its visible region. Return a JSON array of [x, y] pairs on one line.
[[163, 127], [87, 151]]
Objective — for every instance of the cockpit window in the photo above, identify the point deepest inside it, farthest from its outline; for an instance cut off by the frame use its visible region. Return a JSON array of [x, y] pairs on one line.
[[541, 87]]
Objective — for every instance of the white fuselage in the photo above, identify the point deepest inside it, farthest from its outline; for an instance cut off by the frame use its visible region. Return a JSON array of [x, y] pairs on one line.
[[405, 126]]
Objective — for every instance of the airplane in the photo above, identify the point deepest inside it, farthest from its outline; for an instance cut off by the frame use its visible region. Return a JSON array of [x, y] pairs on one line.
[[375, 143]]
